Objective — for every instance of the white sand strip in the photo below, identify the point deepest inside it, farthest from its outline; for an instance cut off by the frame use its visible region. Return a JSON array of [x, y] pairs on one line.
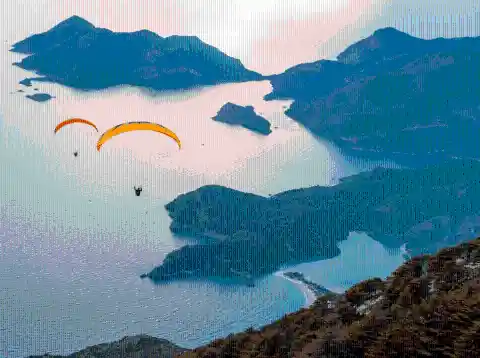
[[310, 296]]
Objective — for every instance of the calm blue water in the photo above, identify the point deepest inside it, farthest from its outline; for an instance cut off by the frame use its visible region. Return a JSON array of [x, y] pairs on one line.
[[361, 258], [74, 239]]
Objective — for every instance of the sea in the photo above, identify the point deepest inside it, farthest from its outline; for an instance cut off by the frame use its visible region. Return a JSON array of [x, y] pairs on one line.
[[74, 238]]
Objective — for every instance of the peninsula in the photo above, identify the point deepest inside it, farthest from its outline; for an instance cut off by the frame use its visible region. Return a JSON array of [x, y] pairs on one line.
[[77, 54], [317, 289], [391, 96], [251, 235], [246, 117]]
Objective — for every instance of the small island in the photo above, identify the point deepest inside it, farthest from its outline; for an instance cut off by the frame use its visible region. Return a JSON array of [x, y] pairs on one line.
[[249, 236], [246, 117], [39, 97], [26, 82], [79, 55], [317, 289]]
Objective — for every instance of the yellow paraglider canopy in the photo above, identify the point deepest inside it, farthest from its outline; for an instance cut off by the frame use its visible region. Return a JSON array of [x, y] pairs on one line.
[[136, 126], [74, 120]]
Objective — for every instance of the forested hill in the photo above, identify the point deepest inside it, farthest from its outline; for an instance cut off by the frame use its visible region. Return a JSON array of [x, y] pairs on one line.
[[77, 54], [250, 235], [391, 95]]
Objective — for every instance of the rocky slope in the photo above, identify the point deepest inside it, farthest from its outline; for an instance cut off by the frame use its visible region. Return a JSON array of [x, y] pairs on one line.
[[77, 54], [429, 307]]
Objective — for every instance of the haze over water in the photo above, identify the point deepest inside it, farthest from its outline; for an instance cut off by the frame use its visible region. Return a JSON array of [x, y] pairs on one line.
[[73, 236]]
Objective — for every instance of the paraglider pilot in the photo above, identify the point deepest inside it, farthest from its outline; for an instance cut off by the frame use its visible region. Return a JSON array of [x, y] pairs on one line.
[[137, 190]]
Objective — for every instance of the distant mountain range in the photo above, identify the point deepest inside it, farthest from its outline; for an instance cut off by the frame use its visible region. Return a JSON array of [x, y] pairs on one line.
[[77, 54], [391, 96]]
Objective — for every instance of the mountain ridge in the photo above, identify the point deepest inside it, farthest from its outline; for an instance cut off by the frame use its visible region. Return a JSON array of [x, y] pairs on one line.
[[391, 96]]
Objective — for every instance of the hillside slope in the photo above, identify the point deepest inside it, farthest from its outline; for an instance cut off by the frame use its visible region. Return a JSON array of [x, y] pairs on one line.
[[428, 307]]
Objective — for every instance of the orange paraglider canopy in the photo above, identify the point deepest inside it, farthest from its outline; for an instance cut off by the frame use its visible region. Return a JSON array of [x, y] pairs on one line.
[[74, 120], [136, 126]]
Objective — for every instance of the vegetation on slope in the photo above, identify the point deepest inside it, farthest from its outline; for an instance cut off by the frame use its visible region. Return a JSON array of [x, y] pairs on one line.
[[77, 54], [429, 307], [392, 96]]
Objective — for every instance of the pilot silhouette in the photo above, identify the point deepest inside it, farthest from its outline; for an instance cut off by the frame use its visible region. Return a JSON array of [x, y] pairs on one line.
[[137, 190]]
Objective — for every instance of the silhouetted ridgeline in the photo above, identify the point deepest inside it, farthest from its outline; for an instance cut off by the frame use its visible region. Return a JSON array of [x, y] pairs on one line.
[[250, 235], [391, 95], [132, 347], [77, 54], [246, 117], [428, 307]]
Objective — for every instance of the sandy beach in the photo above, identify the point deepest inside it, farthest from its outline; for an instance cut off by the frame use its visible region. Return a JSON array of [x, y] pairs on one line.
[[310, 296]]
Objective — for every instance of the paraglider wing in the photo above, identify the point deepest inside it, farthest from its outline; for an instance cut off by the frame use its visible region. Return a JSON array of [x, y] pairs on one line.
[[74, 120], [136, 126]]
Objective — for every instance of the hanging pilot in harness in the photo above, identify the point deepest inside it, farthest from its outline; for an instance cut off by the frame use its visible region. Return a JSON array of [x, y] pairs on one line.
[[137, 190]]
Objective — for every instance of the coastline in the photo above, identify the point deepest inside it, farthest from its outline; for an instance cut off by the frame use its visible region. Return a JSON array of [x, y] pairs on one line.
[[309, 295]]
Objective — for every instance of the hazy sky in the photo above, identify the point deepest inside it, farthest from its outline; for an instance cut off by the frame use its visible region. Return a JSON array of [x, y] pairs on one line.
[[267, 35]]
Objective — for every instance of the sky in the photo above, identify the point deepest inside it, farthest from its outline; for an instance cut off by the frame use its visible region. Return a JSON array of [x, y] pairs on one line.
[[268, 35]]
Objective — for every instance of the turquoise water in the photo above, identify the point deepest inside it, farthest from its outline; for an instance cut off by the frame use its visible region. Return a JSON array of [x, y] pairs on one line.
[[361, 258], [74, 238], [70, 263]]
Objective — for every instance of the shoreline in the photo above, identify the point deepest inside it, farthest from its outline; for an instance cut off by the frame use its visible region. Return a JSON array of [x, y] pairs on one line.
[[309, 295]]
